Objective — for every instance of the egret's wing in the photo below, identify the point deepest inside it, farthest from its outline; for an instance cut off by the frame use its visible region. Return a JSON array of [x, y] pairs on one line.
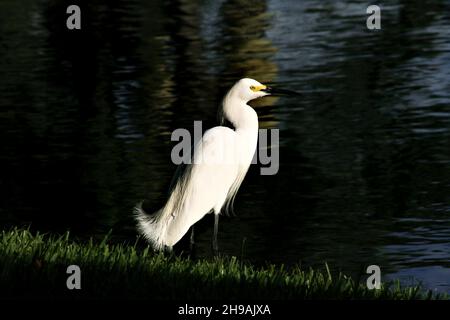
[[221, 152], [213, 148], [215, 165], [217, 147], [205, 184]]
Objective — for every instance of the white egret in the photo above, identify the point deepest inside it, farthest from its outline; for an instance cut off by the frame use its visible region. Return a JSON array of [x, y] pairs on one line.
[[220, 162]]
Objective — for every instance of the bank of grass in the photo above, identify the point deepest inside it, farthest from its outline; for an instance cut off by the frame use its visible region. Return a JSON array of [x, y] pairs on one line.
[[34, 265]]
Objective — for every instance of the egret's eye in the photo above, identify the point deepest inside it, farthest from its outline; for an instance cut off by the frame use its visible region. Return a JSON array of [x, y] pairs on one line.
[[253, 88]]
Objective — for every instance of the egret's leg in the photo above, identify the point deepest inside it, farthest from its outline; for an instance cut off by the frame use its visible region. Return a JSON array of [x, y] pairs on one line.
[[192, 242], [216, 229]]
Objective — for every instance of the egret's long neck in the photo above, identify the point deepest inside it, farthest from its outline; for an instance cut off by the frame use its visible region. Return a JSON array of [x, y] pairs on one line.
[[239, 113]]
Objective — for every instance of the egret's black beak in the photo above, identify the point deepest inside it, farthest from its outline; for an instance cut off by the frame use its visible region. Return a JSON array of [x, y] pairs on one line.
[[280, 92]]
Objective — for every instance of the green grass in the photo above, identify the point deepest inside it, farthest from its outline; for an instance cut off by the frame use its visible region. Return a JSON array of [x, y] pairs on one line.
[[34, 265]]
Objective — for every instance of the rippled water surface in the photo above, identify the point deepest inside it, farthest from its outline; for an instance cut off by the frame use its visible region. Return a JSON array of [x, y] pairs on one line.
[[364, 178]]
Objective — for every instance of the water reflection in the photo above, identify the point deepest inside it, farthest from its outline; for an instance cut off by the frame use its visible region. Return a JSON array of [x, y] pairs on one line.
[[86, 120]]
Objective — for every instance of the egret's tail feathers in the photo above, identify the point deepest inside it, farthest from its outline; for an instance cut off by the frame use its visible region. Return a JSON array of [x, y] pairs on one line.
[[152, 227]]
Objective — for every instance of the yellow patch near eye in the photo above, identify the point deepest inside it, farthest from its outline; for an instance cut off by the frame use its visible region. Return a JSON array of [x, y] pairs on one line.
[[258, 88]]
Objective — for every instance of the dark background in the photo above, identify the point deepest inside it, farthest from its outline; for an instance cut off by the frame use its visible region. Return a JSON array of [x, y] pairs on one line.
[[86, 117]]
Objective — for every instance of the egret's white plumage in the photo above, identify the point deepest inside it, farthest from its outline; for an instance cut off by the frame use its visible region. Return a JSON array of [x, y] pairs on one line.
[[220, 161]]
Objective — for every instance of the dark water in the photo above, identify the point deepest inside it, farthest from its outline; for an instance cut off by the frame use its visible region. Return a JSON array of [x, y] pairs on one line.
[[86, 118]]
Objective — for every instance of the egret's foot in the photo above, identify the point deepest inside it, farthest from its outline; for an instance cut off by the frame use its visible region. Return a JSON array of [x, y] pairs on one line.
[[215, 245], [215, 248]]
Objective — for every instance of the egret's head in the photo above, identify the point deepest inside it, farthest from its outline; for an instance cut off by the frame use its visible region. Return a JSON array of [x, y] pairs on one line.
[[248, 89]]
